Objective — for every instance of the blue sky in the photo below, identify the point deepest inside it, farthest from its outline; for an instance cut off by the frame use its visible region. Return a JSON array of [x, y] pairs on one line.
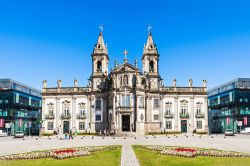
[[54, 39]]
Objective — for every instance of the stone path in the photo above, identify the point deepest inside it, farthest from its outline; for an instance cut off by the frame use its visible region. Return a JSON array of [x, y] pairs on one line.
[[128, 156]]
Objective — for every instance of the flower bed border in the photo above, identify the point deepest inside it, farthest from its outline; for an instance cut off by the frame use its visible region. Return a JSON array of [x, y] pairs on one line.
[[172, 150], [73, 152]]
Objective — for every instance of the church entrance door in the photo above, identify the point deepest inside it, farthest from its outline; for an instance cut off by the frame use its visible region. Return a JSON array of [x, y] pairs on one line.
[[65, 127], [184, 126], [125, 122]]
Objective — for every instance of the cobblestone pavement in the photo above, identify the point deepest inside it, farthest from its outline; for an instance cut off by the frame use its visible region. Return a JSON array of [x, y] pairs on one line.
[[9, 145]]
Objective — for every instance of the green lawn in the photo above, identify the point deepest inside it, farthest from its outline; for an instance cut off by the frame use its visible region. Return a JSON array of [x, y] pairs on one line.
[[151, 158], [102, 158]]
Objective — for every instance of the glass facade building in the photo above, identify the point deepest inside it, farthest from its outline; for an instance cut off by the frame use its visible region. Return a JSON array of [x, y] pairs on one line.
[[229, 106], [20, 107]]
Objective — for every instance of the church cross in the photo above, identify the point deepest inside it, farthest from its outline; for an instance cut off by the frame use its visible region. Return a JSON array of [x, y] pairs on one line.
[[125, 53]]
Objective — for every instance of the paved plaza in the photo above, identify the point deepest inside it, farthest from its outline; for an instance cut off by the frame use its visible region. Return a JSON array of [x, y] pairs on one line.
[[9, 145]]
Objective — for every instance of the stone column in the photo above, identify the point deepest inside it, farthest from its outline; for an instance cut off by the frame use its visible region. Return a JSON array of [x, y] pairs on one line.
[[92, 115], [192, 114], [176, 115], [113, 111], [73, 117]]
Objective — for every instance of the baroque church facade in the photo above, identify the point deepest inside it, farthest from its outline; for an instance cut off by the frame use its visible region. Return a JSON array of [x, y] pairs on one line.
[[126, 99]]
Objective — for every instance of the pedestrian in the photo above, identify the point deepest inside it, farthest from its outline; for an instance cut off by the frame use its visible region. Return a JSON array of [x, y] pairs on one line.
[[66, 135], [70, 134]]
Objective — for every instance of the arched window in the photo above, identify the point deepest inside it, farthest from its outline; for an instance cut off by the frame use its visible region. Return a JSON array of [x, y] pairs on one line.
[[66, 106], [184, 107], [82, 109], [51, 109], [168, 107], [99, 66], [151, 66], [198, 108]]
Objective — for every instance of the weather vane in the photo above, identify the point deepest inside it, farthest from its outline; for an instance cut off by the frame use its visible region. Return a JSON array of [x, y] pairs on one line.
[[101, 27], [149, 28]]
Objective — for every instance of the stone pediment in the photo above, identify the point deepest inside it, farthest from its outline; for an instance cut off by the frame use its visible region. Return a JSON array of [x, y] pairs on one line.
[[125, 67]]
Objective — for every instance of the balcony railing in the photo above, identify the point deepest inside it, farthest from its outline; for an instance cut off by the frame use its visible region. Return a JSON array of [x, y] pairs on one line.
[[81, 116], [49, 116], [65, 116], [186, 115], [169, 115], [200, 115]]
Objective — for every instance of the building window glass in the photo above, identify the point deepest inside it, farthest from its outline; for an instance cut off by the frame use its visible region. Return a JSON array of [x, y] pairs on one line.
[[168, 125], [81, 126], [156, 103], [98, 104], [199, 124], [50, 125], [156, 117], [98, 117]]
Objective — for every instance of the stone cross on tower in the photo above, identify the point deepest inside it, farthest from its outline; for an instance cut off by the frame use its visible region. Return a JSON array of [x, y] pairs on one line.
[[125, 55]]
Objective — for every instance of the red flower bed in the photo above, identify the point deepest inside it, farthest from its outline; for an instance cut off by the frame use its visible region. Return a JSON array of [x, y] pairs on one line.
[[64, 151], [185, 150]]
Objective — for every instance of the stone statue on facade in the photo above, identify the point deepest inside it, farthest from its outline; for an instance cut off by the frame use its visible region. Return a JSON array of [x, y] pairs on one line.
[[59, 83], [174, 82], [204, 83], [190, 82], [44, 84], [75, 83]]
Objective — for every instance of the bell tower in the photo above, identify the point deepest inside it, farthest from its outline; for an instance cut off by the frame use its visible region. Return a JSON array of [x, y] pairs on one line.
[[150, 61], [150, 56], [100, 61]]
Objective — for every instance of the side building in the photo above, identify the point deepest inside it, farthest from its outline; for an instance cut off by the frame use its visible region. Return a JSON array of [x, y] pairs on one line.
[[20, 107], [229, 106]]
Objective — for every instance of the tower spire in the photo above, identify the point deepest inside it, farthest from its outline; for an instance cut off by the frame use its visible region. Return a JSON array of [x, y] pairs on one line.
[[100, 47], [150, 47]]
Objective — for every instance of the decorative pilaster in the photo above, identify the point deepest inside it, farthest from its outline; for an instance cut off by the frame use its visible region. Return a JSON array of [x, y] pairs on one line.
[[192, 114], [58, 113], [176, 115], [206, 114], [74, 113]]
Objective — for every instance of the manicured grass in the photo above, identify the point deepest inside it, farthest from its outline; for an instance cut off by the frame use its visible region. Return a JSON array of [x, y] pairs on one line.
[[151, 158], [102, 158]]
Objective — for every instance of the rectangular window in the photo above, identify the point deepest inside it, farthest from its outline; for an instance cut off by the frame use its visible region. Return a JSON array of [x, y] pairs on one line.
[[98, 104], [125, 100], [98, 117], [156, 103], [156, 117], [168, 125], [199, 124], [50, 125], [81, 126]]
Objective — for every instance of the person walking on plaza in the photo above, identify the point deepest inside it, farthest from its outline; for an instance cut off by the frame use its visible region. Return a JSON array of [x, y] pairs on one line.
[[66, 135], [70, 134]]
